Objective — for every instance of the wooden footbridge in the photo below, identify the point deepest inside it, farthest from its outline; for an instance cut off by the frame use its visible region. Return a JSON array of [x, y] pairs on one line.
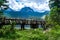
[[22, 22]]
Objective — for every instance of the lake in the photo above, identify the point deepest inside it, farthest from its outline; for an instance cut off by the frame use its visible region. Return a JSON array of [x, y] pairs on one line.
[[26, 26]]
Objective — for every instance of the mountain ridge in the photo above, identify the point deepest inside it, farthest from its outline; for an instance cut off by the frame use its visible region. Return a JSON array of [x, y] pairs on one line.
[[25, 12]]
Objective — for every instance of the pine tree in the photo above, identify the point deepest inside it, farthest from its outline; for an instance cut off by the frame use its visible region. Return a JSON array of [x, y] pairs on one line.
[[2, 6]]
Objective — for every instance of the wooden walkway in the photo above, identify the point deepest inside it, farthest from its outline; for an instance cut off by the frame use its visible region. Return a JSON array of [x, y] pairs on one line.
[[22, 22]]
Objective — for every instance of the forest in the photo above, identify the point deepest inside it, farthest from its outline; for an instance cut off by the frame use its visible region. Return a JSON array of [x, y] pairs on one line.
[[52, 31]]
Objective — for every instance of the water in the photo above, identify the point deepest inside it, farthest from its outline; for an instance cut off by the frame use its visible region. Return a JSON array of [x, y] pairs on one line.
[[26, 26]]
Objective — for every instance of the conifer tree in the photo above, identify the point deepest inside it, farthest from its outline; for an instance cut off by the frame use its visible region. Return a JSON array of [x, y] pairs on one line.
[[3, 6], [55, 11]]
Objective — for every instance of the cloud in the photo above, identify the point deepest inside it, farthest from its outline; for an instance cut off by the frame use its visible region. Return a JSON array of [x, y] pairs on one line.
[[36, 5]]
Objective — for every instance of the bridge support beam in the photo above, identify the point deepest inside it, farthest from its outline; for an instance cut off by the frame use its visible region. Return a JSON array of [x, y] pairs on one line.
[[22, 26], [34, 26], [43, 26]]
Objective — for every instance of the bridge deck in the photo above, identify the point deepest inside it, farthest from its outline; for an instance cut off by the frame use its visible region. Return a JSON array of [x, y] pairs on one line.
[[22, 21]]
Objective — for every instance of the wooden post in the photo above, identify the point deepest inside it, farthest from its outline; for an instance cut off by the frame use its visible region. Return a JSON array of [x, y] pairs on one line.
[[43, 25], [34, 26], [22, 26], [2, 22]]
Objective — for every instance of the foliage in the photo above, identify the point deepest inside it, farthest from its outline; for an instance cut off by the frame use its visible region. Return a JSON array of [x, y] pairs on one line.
[[6, 33], [55, 11], [31, 34], [2, 7], [53, 3], [54, 33], [1, 2], [54, 16], [12, 24]]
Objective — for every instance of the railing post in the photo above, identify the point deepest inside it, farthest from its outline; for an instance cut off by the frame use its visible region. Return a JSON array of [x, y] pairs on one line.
[[22, 26]]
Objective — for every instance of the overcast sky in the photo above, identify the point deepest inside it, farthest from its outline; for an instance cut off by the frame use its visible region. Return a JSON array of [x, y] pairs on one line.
[[36, 5]]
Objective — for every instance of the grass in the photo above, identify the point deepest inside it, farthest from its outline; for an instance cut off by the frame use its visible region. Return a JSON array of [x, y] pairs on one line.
[[31, 34]]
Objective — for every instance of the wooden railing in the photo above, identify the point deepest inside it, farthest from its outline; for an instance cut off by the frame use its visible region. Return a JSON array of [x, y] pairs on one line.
[[22, 22]]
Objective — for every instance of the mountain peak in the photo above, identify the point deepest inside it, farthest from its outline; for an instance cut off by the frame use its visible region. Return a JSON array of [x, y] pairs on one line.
[[25, 12], [27, 9]]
